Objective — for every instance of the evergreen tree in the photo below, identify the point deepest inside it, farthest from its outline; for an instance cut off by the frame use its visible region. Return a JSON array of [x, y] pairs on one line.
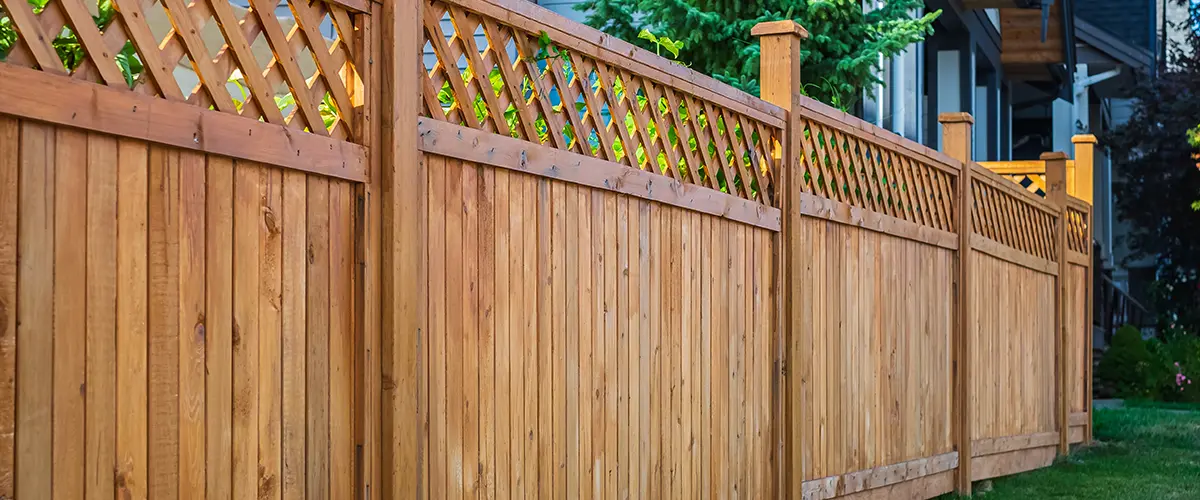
[[839, 59], [1157, 182]]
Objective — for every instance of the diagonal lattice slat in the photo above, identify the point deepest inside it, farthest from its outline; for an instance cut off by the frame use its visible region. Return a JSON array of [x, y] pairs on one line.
[[482, 72], [260, 62], [1013, 222]]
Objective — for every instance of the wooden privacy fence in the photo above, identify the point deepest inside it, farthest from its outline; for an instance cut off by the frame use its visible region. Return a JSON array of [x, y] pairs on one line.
[[256, 252]]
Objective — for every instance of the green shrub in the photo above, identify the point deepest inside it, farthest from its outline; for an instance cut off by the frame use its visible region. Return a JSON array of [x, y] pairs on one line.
[[1180, 358], [1129, 367], [1151, 369]]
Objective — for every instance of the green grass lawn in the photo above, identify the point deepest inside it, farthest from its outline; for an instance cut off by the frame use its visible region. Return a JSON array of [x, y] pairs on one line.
[[1145, 451]]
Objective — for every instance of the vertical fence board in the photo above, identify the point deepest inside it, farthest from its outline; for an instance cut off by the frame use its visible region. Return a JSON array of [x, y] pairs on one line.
[[501, 241], [131, 319], [341, 341], [247, 218], [320, 328], [70, 299], [270, 338], [219, 334], [35, 314], [164, 353], [294, 383], [10, 148], [439, 308], [192, 324]]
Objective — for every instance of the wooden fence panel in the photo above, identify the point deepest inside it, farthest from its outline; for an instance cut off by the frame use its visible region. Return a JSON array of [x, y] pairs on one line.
[[1013, 346], [163, 296], [878, 324], [647, 327], [1079, 338]]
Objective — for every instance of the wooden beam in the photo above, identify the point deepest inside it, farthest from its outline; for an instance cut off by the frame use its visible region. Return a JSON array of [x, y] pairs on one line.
[[404, 277], [1012, 255], [1056, 193], [878, 477], [41, 96], [357, 6], [992, 446], [1004, 464], [836, 211], [781, 86], [956, 140], [446, 139], [369, 248]]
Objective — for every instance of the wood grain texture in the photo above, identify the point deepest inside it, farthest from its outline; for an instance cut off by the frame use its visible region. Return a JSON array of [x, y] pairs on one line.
[[177, 347], [870, 400], [10, 148], [1012, 349], [593, 296], [131, 319]]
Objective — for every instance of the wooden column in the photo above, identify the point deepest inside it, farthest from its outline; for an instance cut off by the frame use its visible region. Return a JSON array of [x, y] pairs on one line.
[[403, 248], [1056, 193], [368, 243], [781, 86], [1085, 167], [956, 141]]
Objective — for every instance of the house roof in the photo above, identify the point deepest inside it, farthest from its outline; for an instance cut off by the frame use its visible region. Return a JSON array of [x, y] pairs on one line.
[[1121, 50]]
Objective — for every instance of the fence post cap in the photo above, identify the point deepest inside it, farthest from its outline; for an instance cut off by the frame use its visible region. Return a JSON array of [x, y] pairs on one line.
[[784, 27], [1054, 155], [957, 117], [1084, 139]]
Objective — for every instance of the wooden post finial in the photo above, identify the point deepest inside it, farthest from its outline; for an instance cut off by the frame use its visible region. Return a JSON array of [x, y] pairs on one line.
[[785, 27], [956, 117], [956, 135]]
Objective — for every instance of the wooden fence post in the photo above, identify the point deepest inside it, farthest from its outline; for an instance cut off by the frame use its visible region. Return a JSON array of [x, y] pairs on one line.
[[1085, 162], [1085, 166], [403, 248], [956, 140], [1056, 193], [781, 86]]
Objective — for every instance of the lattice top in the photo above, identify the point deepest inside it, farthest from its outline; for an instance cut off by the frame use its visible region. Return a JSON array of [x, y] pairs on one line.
[[492, 65], [1003, 213], [1079, 218], [296, 70], [854, 162]]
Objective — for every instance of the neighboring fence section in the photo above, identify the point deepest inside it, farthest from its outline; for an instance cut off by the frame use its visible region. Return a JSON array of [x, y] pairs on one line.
[[545, 264], [181, 320]]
